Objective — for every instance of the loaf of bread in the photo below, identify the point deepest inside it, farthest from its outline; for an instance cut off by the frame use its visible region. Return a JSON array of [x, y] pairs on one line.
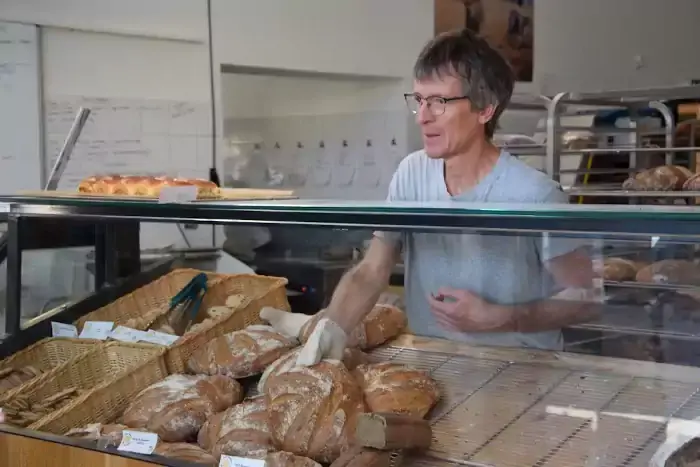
[[313, 410], [143, 186], [366, 457], [693, 183], [662, 178], [382, 324], [241, 353], [241, 430], [286, 459], [109, 434], [177, 407], [619, 269], [670, 271], [395, 388], [186, 452], [353, 358]]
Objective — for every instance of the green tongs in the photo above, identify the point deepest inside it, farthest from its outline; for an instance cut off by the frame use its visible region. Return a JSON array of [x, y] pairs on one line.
[[184, 306]]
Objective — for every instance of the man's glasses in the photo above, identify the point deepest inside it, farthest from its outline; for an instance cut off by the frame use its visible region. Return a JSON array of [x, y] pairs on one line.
[[436, 105]]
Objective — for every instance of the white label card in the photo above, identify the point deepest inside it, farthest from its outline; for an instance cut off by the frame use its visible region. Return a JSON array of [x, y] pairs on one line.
[[96, 330], [138, 442], [124, 334], [178, 194], [162, 338], [230, 461], [63, 330]]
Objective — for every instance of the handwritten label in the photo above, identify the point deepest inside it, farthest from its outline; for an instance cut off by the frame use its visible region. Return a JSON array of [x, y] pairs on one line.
[[178, 194], [63, 330], [230, 461], [155, 337], [96, 330], [139, 442], [124, 334]]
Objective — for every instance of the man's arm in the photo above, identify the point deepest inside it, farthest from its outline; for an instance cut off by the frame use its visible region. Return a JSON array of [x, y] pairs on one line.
[[358, 290]]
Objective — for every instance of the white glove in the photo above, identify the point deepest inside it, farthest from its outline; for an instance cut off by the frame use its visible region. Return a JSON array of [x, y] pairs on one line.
[[326, 342], [284, 322]]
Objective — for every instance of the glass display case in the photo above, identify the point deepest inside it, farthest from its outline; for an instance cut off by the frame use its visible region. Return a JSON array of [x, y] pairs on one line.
[[557, 335]]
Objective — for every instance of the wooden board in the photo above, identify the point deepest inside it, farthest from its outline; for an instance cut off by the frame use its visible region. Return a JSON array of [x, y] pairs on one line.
[[20, 451], [499, 406], [227, 194]]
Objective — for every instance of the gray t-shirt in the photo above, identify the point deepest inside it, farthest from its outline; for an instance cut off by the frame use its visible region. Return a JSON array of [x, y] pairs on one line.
[[502, 269]]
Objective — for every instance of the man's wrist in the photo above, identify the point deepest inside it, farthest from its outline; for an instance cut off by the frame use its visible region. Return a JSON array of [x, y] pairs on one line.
[[506, 317]]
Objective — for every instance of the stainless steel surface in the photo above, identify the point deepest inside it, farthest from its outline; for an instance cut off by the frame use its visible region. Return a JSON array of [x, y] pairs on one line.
[[637, 95], [625, 150], [67, 149], [579, 191]]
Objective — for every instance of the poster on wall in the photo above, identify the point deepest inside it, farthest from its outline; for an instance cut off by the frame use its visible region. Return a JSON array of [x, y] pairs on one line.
[[508, 25]]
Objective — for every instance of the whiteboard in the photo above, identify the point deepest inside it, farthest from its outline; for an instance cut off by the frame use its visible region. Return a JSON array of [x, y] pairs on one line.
[[21, 158]]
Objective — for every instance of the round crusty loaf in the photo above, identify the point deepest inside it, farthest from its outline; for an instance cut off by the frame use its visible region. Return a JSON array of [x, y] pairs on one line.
[[662, 178], [185, 452], [693, 183], [241, 353], [396, 388], [241, 430], [313, 410], [619, 269], [670, 271], [286, 459], [177, 407], [382, 324], [351, 359]]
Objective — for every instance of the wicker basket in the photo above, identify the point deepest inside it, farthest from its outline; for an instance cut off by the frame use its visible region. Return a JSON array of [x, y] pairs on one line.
[[135, 305], [259, 291], [112, 375], [47, 355]]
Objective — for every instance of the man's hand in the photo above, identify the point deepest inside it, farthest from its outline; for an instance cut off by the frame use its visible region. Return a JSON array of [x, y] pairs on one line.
[[327, 341], [462, 311]]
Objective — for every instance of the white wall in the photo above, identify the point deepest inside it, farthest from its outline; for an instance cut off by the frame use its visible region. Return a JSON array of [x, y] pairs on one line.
[[592, 45]]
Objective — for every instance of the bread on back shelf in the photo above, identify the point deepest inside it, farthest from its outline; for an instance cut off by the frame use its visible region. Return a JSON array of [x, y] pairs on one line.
[[240, 354], [670, 271], [241, 430], [395, 388], [662, 178], [619, 269], [313, 410], [177, 407], [286, 459], [382, 324]]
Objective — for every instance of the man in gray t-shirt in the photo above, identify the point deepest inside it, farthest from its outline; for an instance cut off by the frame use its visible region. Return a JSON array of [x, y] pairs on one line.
[[485, 289]]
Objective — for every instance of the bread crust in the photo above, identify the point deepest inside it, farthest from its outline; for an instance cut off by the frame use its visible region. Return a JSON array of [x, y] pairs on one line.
[[143, 186], [662, 178]]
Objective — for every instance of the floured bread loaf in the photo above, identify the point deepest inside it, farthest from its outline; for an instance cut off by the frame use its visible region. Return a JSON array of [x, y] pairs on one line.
[[241, 430], [671, 271], [395, 388], [619, 269], [313, 410], [185, 452], [177, 407], [241, 353], [662, 178], [108, 434], [382, 324], [286, 459], [352, 358]]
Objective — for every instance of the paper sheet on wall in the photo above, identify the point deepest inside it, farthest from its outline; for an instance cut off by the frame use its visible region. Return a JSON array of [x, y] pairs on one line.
[[125, 136]]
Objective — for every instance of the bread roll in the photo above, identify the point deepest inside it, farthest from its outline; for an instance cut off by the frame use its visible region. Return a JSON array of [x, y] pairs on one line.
[[395, 388], [241, 431], [670, 271], [286, 459], [241, 353], [619, 269], [185, 452], [382, 324], [353, 358], [662, 178], [313, 410], [177, 407]]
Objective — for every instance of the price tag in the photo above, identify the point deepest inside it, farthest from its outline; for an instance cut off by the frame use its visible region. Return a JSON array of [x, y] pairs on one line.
[[139, 442], [230, 461], [124, 334], [96, 330], [178, 194], [63, 330], [155, 337]]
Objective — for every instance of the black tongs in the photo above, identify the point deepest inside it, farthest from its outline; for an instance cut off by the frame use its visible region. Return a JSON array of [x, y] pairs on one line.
[[185, 305]]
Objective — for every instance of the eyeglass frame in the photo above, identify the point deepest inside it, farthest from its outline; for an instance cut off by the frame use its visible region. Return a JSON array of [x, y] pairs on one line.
[[442, 100]]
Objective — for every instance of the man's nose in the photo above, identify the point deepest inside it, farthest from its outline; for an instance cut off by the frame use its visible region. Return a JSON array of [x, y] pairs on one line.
[[424, 114]]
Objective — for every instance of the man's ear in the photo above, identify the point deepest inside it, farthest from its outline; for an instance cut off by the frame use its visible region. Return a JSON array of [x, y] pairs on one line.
[[486, 114]]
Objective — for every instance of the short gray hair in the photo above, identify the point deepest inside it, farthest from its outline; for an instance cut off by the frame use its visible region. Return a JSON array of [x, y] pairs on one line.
[[487, 78]]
